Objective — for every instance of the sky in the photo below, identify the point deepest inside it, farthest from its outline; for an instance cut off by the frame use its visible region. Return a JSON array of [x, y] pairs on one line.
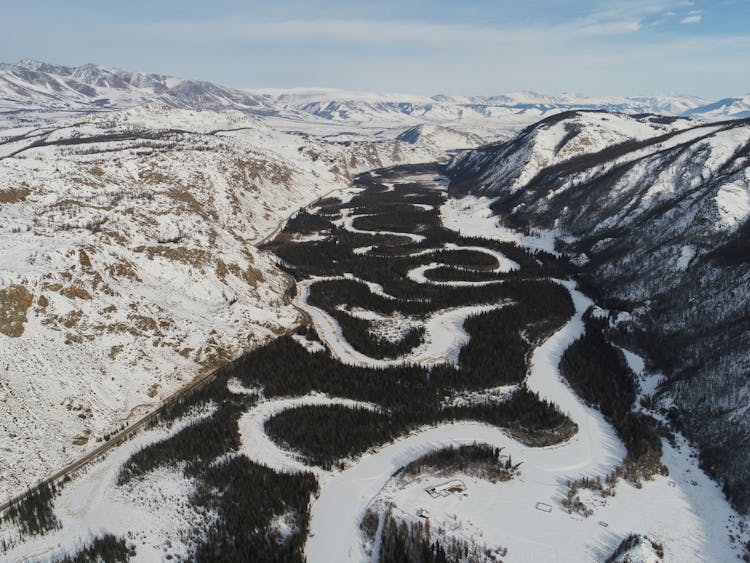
[[478, 47]]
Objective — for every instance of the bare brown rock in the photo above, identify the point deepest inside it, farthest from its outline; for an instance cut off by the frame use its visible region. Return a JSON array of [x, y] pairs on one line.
[[15, 301], [14, 195], [75, 292]]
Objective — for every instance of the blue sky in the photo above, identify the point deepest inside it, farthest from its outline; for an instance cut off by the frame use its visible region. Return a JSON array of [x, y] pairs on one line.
[[627, 47]]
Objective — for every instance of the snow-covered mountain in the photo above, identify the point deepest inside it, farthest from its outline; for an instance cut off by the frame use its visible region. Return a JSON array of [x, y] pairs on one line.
[[360, 106], [727, 108], [656, 213], [493, 117], [33, 84], [128, 261], [130, 202], [439, 136]]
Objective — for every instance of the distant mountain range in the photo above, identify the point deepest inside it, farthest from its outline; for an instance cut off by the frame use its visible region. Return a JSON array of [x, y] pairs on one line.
[[30, 84]]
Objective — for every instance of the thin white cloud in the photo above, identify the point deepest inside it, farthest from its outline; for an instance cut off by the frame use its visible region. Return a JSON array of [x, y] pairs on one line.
[[695, 16], [612, 18], [612, 49], [382, 33]]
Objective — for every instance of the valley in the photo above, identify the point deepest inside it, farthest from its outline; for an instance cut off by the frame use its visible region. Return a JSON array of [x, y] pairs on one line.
[[324, 325], [326, 418]]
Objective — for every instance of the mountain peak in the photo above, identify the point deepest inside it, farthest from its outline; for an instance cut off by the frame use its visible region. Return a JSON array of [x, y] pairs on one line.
[[41, 66]]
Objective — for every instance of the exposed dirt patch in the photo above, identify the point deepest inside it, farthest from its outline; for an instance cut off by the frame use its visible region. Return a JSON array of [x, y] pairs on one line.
[[114, 351], [80, 440], [212, 355], [71, 202], [124, 269], [15, 301], [75, 292], [84, 259], [154, 178], [71, 319], [74, 338], [252, 276], [14, 195], [194, 257], [145, 324], [221, 270], [114, 237], [192, 204], [253, 170]]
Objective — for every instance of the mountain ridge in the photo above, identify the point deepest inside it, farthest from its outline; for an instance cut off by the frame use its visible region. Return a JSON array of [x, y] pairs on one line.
[[658, 228], [93, 86]]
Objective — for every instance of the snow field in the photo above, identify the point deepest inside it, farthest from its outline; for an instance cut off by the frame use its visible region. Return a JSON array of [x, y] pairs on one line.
[[152, 514], [444, 334], [256, 444]]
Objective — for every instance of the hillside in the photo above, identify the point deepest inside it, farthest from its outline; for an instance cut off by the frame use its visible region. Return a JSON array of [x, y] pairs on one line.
[[132, 209], [34, 84], [128, 265], [655, 216]]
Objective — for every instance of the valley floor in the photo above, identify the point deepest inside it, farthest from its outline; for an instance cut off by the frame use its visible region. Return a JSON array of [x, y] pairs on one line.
[[438, 309]]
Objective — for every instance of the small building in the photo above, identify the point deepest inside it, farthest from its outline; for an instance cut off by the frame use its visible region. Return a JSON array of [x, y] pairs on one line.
[[445, 489], [423, 513]]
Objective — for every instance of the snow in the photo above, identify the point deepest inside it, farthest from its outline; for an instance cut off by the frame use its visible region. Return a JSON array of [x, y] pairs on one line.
[[687, 253], [471, 216], [311, 346], [444, 334], [642, 552], [362, 250], [492, 395], [256, 444], [686, 512], [689, 519], [160, 312], [293, 147], [504, 264], [392, 328], [347, 220], [417, 274], [733, 202], [151, 513]]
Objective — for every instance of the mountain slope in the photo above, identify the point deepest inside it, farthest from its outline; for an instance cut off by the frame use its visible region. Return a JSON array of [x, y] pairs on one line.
[[438, 136], [128, 265], [727, 108], [30, 84], [659, 226]]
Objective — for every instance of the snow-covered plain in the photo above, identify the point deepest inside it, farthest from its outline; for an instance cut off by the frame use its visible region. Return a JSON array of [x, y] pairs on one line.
[[260, 448], [660, 225], [348, 218], [685, 511], [471, 216], [444, 334], [504, 265]]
